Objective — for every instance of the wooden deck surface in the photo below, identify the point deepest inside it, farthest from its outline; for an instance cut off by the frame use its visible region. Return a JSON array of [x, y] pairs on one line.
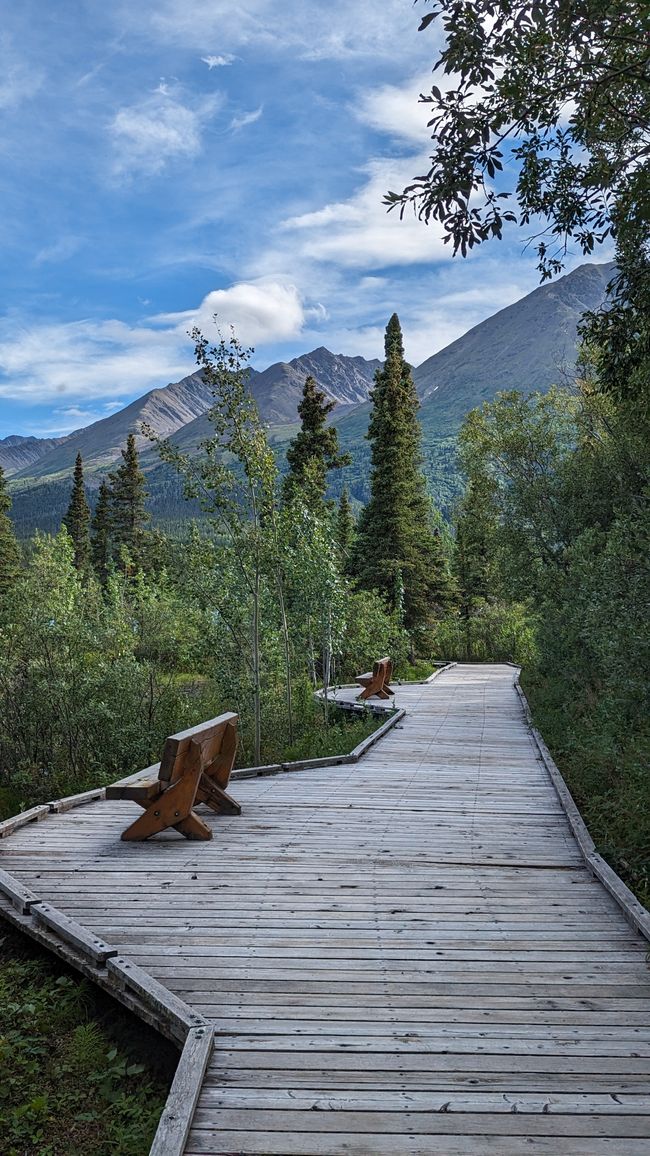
[[403, 956]]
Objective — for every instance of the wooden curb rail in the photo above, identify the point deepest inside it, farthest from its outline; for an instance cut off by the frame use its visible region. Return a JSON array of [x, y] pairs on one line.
[[633, 911]]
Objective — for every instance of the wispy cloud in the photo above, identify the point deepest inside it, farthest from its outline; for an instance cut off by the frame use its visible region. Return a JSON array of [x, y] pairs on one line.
[[158, 130], [60, 250], [19, 80], [111, 361], [358, 233], [338, 30], [246, 118], [396, 111], [220, 61]]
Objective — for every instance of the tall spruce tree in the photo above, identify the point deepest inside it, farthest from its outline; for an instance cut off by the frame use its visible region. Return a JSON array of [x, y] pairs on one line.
[[397, 551], [128, 516], [100, 533], [9, 550], [77, 518], [474, 548], [315, 449], [345, 529]]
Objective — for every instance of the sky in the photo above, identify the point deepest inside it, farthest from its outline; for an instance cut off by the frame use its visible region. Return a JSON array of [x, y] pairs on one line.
[[164, 162]]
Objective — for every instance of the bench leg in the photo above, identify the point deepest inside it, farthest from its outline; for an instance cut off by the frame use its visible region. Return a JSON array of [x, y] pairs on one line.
[[368, 692], [170, 809], [216, 798], [194, 828]]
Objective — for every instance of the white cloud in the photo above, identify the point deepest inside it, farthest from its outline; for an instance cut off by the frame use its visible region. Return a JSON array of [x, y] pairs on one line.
[[160, 129], [220, 61], [260, 312], [397, 111], [246, 118], [335, 31], [85, 361], [359, 233]]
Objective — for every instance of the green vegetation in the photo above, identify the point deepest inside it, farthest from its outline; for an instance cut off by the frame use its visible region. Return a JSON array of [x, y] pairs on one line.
[[554, 94], [77, 518], [78, 1075], [397, 551]]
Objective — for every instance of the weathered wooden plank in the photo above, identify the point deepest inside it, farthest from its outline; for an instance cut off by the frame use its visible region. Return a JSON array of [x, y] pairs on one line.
[[74, 933], [439, 1123], [71, 801], [177, 1115], [227, 1143], [34, 814], [21, 897], [159, 998]]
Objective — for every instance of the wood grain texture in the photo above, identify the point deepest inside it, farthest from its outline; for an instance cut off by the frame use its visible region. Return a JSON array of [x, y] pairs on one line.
[[407, 955]]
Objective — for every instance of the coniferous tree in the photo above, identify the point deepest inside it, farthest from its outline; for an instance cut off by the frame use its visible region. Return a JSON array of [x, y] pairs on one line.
[[315, 449], [397, 551], [9, 550], [100, 538], [77, 518], [473, 563], [128, 517], [345, 529]]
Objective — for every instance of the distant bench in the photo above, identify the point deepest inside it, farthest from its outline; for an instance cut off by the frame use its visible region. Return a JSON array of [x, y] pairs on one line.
[[376, 681], [195, 768]]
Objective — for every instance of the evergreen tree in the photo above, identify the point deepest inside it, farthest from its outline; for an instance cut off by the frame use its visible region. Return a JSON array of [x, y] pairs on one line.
[[9, 551], [397, 551], [315, 449], [100, 538], [128, 517], [474, 548], [77, 518], [345, 528]]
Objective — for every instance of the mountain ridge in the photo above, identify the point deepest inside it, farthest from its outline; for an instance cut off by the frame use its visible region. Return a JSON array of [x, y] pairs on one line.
[[524, 346]]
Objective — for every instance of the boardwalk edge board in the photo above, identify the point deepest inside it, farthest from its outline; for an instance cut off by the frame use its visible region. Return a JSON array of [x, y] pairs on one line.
[[153, 993], [329, 760], [634, 911], [34, 814], [178, 1113]]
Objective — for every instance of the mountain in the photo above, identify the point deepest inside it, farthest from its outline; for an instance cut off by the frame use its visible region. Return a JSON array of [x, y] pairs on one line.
[[17, 452], [99, 444], [529, 345], [277, 390]]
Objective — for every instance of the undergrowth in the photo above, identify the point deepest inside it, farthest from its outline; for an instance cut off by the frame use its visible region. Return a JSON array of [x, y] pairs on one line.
[[606, 774], [77, 1076]]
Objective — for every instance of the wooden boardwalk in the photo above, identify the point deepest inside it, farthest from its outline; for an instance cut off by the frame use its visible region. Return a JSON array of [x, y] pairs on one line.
[[406, 956]]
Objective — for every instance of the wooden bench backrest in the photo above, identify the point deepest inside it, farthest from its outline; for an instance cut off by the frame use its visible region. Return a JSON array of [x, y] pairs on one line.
[[383, 669], [213, 737]]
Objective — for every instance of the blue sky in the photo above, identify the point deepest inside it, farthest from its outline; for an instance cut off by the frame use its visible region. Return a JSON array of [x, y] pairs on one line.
[[165, 161]]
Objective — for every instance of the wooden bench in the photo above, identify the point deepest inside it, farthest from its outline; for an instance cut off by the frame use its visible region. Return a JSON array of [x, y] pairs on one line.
[[195, 768], [376, 681]]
